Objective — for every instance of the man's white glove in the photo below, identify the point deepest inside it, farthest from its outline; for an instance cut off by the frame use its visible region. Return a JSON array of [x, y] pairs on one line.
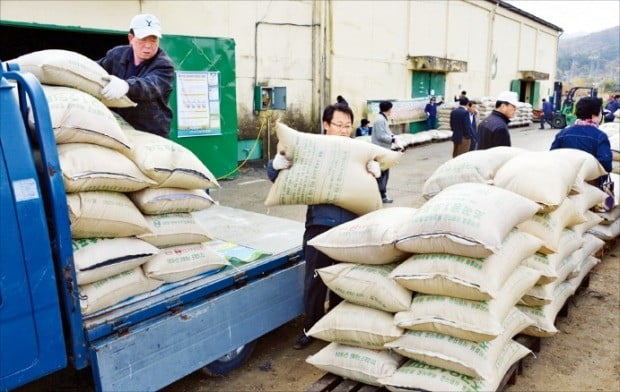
[[280, 162], [115, 88], [398, 144], [373, 168]]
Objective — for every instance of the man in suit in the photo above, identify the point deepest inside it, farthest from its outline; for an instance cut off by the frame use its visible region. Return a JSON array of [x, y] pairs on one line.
[[473, 119], [461, 128]]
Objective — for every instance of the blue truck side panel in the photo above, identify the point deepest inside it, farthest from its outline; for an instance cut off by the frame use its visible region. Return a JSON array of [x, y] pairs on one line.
[[31, 337], [175, 345]]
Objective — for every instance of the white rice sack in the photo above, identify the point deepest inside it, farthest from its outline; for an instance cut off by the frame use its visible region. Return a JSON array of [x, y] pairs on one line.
[[610, 129], [590, 196], [174, 229], [606, 232], [614, 142], [592, 220], [591, 246], [479, 321], [356, 325], [472, 359], [368, 239], [104, 214], [476, 166], [80, 118], [88, 167], [544, 316], [610, 217], [110, 291], [418, 376], [543, 294], [539, 176], [465, 277], [100, 258], [578, 274], [548, 226], [590, 168], [184, 261], [70, 69], [328, 169], [168, 163], [356, 363], [367, 285], [465, 219], [156, 201]]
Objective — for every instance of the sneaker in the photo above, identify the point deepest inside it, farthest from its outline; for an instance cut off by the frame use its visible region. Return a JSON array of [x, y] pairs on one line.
[[302, 342], [387, 200]]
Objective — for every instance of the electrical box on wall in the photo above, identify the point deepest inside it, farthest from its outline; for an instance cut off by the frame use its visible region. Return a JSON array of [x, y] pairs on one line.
[[269, 98]]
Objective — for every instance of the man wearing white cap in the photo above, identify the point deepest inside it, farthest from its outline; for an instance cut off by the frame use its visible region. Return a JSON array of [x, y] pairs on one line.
[[493, 130], [143, 72]]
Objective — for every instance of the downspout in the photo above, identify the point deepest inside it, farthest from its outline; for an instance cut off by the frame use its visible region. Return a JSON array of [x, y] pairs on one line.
[[487, 81]]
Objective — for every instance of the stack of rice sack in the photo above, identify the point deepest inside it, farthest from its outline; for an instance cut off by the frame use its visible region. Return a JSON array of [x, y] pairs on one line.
[[443, 115], [485, 107], [523, 115], [118, 251]]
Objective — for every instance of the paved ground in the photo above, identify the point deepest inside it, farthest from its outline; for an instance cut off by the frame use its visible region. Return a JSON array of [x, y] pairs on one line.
[[585, 356]]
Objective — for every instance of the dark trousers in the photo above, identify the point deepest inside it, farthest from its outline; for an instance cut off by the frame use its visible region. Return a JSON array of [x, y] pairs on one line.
[[431, 123], [314, 288], [545, 119], [382, 181]]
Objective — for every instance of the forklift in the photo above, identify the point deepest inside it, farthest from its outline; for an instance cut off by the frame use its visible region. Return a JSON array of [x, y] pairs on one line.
[[564, 112]]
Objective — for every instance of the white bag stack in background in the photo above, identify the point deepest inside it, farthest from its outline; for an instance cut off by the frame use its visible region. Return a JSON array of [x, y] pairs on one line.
[[443, 115]]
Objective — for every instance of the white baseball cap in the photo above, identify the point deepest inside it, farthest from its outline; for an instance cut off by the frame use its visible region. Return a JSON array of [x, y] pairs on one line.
[[508, 96], [144, 25]]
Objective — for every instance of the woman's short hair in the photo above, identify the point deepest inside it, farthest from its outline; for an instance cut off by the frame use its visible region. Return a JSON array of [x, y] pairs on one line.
[[588, 107]]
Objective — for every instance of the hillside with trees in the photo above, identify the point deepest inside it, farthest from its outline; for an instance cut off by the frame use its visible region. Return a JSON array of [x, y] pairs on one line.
[[591, 59]]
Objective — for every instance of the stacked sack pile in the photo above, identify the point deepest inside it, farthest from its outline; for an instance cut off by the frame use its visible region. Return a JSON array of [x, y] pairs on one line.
[[443, 116], [609, 227], [523, 115], [129, 193], [485, 107], [478, 250]]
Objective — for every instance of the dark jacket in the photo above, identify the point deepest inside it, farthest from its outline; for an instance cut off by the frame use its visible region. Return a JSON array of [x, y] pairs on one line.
[[586, 138], [460, 124], [431, 108], [547, 108], [150, 88], [363, 132], [493, 131], [319, 214]]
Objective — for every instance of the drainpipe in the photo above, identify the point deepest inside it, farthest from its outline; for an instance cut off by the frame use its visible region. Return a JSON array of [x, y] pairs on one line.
[[487, 80]]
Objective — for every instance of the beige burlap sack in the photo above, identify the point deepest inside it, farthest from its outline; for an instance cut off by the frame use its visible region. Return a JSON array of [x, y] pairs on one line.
[[356, 363], [540, 295], [415, 375], [88, 167], [156, 201], [169, 164], [328, 170], [466, 277], [547, 264], [463, 356], [548, 226], [110, 291], [368, 239], [466, 220], [357, 326], [592, 219], [540, 176], [80, 118], [477, 166], [174, 229], [99, 258], [104, 214], [589, 197], [544, 316], [181, 262], [606, 232], [367, 285], [479, 321], [70, 69], [590, 168], [591, 246]]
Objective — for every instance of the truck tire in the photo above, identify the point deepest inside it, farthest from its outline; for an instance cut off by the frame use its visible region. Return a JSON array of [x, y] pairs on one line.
[[230, 361], [558, 121]]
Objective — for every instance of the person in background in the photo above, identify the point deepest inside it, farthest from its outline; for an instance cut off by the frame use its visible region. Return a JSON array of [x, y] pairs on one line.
[[493, 130], [473, 119], [547, 109], [584, 135], [431, 113], [461, 128], [364, 129], [382, 136], [337, 122], [143, 72], [612, 106], [463, 95]]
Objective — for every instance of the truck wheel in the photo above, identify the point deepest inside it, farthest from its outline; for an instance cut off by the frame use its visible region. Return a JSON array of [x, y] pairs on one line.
[[230, 361], [558, 121]]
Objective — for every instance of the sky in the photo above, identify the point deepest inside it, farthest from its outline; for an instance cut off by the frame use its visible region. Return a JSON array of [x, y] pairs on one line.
[[576, 17]]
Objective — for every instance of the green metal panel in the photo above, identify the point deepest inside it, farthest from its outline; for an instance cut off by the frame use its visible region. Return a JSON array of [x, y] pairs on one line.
[[535, 97], [515, 85], [420, 84], [249, 149], [416, 127], [438, 84], [218, 152]]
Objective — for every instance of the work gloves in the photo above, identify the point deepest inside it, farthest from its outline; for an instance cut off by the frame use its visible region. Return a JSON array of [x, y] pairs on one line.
[[115, 88], [373, 168], [281, 162]]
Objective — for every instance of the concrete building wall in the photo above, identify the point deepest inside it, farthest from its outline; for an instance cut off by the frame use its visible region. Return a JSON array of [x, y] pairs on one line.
[[321, 49]]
